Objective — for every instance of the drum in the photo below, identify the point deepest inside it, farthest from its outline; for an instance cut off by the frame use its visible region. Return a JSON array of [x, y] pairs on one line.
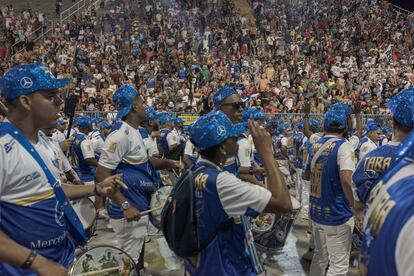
[[86, 211], [158, 199], [270, 231], [103, 260]]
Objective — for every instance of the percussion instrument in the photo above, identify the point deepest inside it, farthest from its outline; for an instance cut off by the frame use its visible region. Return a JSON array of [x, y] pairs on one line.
[[86, 211], [270, 231], [103, 260], [158, 200]]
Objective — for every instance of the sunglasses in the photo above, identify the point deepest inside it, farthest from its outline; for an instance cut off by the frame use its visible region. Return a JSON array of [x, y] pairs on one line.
[[236, 105]]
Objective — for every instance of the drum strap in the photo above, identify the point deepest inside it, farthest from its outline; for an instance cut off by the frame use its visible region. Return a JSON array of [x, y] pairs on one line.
[[75, 227], [321, 149], [227, 224]]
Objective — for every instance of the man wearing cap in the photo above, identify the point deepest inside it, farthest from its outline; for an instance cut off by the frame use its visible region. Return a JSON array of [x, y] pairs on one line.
[[329, 170], [220, 195], [58, 135], [96, 137], [230, 103], [383, 139], [248, 170], [374, 163], [369, 142], [387, 247], [37, 224], [170, 142], [124, 152]]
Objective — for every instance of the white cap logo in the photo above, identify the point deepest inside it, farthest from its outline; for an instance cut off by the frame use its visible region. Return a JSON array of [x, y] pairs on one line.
[[221, 130], [26, 82]]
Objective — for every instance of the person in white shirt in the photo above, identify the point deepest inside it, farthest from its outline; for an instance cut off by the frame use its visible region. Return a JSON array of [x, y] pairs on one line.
[[369, 142], [58, 135]]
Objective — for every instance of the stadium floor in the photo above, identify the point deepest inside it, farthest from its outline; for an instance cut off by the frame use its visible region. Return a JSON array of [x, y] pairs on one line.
[[287, 262]]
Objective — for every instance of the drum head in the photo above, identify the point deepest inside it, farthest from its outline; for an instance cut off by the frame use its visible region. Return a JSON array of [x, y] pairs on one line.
[[158, 199], [103, 260], [85, 209], [295, 203], [263, 222]]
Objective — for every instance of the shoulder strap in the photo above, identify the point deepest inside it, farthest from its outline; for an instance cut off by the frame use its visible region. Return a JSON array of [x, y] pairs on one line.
[[321, 149], [75, 226]]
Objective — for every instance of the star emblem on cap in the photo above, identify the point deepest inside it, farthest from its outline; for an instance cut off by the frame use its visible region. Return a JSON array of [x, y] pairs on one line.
[[221, 130], [26, 82]]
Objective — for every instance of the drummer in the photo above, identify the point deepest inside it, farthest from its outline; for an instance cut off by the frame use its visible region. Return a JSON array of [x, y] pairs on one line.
[[224, 195], [374, 163], [125, 152], [34, 234], [387, 248], [329, 169]]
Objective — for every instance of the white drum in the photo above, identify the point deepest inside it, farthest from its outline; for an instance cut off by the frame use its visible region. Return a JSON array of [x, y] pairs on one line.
[[86, 211]]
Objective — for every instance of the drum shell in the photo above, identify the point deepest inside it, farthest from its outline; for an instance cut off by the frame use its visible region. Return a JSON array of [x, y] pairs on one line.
[[86, 211], [158, 199]]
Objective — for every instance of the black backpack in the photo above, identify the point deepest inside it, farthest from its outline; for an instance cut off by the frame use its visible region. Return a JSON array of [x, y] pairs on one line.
[[178, 218]]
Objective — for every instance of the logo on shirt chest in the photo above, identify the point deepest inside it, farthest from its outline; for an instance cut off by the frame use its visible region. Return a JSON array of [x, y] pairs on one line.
[[31, 177], [9, 146]]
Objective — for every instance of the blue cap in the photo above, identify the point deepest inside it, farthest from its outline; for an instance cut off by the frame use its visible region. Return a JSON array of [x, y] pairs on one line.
[[372, 126], [106, 125], [97, 120], [314, 122], [272, 123], [214, 128], [402, 107], [178, 121], [25, 79], [222, 93], [164, 119], [123, 98], [282, 128], [151, 114], [252, 113], [335, 118], [84, 121], [61, 122], [342, 107], [386, 129], [258, 115]]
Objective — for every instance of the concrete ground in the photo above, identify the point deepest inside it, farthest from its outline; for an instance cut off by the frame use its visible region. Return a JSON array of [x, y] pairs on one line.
[[286, 262]]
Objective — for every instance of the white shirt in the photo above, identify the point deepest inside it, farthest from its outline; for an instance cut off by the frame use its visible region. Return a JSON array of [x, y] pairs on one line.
[[123, 145], [245, 152], [172, 138], [58, 136], [190, 149], [151, 146], [366, 147], [237, 196], [96, 141], [22, 180], [354, 140]]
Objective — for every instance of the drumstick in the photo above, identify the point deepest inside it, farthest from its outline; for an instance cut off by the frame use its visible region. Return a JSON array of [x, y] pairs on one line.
[[100, 271], [143, 213], [180, 171]]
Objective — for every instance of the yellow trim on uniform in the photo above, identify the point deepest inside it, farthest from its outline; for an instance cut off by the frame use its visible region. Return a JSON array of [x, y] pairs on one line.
[[140, 161], [32, 199]]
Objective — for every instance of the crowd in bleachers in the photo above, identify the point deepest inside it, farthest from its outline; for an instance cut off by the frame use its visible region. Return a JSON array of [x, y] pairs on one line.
[[178, 53]]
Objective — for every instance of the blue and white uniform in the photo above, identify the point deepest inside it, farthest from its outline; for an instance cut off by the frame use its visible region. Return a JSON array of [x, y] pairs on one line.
[[124, 152], [383, 140], [371, 167], [387, 247], [82, 150], [149, 142], [58, 136], [219, 196], [367, 145], [245, 151], [30, 214], [190, 150], [97, 142], [329, 209]]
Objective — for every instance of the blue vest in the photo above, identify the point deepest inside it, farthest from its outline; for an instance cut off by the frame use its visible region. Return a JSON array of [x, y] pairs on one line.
[[154, 173], [328, 205], [378, 248], [85, 171], [370, 168], [297, 142], [226, 254], [164, 143]]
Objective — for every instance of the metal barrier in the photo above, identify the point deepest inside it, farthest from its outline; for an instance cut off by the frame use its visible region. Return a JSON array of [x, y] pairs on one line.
[[288, 118], [78, 6]]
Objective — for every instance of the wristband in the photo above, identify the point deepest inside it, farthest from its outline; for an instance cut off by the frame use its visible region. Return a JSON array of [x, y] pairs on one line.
[[29, 260], [251, 170]]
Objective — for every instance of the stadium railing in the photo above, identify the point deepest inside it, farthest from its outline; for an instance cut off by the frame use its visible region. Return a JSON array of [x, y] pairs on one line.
[[288, 118]]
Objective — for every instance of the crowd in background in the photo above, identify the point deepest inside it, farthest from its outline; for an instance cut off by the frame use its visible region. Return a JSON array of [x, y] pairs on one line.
[[178, 53]]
